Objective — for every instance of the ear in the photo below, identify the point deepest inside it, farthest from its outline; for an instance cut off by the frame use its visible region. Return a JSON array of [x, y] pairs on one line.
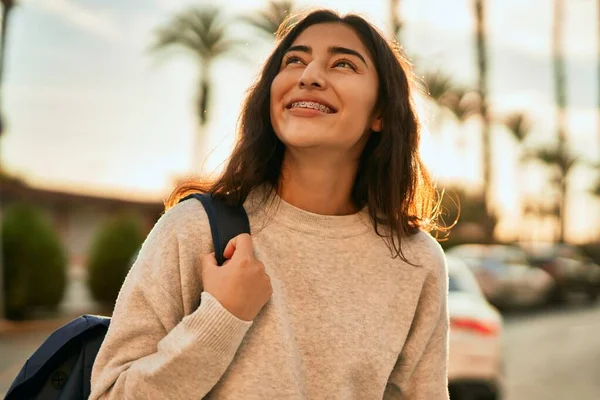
[[377, 124]]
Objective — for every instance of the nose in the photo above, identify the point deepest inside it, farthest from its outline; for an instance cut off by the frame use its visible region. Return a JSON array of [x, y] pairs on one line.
[[313, 77]]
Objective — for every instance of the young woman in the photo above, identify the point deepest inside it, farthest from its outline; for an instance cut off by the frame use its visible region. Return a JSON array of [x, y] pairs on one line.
[[339, 293]]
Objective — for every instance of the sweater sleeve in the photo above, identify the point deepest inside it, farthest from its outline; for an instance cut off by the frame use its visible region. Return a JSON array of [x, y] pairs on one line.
[[421, 371], [152, 348]]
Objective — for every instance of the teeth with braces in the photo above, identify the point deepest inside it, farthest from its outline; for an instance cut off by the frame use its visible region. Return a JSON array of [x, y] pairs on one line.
[[310, 104]]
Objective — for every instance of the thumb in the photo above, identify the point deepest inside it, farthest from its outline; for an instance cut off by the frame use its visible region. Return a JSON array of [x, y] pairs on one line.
[[242, 243], [208, 260]]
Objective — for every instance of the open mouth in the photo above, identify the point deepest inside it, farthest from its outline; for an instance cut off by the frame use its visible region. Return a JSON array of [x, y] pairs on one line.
[[312, 105]]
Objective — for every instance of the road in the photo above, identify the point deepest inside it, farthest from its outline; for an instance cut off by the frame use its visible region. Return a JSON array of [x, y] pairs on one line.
[[550, 354], [553, 354]]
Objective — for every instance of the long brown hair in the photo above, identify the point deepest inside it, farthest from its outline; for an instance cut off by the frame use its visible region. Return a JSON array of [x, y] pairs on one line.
[[392, 181]]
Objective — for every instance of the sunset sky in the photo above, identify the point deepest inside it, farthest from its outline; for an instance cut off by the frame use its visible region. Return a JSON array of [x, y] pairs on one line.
[[90, 109]]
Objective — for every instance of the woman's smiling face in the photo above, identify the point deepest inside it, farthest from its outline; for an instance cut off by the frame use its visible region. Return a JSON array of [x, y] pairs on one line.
[[325, 93]]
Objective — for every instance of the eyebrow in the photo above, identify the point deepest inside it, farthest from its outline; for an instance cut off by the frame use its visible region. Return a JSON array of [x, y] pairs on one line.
[[330, 50]]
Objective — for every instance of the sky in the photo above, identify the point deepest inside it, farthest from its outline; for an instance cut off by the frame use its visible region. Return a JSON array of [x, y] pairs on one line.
[[90, 108]]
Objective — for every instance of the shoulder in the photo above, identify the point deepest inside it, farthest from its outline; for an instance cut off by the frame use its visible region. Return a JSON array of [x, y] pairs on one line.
[[423, 250], [183, 216], [184, 223], [170, 255]]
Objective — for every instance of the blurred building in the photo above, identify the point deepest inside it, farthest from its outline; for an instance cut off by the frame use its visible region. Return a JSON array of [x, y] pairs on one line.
[[76, 217]]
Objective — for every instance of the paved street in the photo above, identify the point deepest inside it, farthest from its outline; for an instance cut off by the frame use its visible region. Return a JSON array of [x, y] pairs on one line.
[[554, 354], [550, 355], [17, 342]]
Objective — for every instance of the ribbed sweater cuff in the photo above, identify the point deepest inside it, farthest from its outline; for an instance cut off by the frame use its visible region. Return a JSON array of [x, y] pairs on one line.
[[215, 327]]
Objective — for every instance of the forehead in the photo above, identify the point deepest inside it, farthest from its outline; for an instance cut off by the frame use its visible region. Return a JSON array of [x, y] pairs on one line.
[[322, 36]]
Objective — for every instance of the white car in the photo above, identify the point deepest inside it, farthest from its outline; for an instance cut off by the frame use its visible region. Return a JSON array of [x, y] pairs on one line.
[[475, 369]]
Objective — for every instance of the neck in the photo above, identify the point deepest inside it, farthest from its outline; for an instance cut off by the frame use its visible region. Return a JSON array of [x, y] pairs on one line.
[[318, 186]]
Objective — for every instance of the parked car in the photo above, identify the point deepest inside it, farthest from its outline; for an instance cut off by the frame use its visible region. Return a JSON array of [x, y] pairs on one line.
[[475, 368], [505, 275], [572, 270]]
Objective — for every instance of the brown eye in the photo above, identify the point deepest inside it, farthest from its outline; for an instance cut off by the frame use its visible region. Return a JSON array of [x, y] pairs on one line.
[[345, 64], [292, 60]]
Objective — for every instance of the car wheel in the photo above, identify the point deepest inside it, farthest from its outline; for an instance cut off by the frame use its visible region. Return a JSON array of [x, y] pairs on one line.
[[493, 396], [557, 296], [477, 392], [593, 295]]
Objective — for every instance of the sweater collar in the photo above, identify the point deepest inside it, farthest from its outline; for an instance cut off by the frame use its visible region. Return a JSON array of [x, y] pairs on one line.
[[279, 211]]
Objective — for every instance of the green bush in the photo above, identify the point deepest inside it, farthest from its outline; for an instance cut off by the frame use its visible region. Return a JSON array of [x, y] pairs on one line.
[[35, 263], [112, 251]]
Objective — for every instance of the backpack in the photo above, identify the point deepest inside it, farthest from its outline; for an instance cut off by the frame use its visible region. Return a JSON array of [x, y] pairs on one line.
[[61, 367]]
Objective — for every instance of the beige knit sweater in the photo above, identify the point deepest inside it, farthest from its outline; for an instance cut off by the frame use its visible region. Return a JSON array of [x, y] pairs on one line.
[[346, 321]]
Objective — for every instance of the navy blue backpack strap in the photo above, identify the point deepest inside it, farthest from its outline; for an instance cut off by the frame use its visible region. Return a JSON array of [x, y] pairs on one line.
[[226, 222]]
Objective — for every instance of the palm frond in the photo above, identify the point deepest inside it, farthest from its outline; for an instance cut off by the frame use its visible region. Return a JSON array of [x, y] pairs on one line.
[[595, 191], [519, 125], [554, 157], [461, 102], [437, 84], [200, 30], [279, 14], [203, 32]]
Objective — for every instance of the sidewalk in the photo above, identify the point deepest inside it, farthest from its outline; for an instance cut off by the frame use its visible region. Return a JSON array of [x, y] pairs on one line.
[[18, 340]]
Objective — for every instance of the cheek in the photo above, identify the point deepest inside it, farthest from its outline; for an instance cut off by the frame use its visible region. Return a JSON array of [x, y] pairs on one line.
[[273, 101], [273, 93], [361, 103], [277, 93], [278, 87]]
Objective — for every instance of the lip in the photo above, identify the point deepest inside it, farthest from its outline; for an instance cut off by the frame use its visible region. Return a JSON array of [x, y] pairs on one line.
[[311, 99]]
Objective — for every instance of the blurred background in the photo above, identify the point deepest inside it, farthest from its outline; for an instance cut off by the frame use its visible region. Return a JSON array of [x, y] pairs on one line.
[[106, 105]]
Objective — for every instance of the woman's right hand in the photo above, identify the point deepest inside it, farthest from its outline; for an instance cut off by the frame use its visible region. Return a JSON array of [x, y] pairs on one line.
[[241, 285]]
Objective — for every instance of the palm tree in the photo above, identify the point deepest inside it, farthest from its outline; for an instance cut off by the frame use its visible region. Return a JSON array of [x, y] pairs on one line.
[[279, 14], [482, 64], [596, 189], [463, 103], [437, 85], [561, 161], [561, 103], [200, 31], [7, 6], [519, 126]]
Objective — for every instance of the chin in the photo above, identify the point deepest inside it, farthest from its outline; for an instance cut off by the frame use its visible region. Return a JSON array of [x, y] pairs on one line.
[[302, 139]]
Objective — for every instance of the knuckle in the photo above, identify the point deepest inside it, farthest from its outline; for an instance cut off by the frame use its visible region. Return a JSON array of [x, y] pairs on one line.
[[245, 261]]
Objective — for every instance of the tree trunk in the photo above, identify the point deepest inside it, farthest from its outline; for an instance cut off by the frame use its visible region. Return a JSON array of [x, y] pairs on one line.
[[6, 9], [482, 65], [561, 102], [198, 146]]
